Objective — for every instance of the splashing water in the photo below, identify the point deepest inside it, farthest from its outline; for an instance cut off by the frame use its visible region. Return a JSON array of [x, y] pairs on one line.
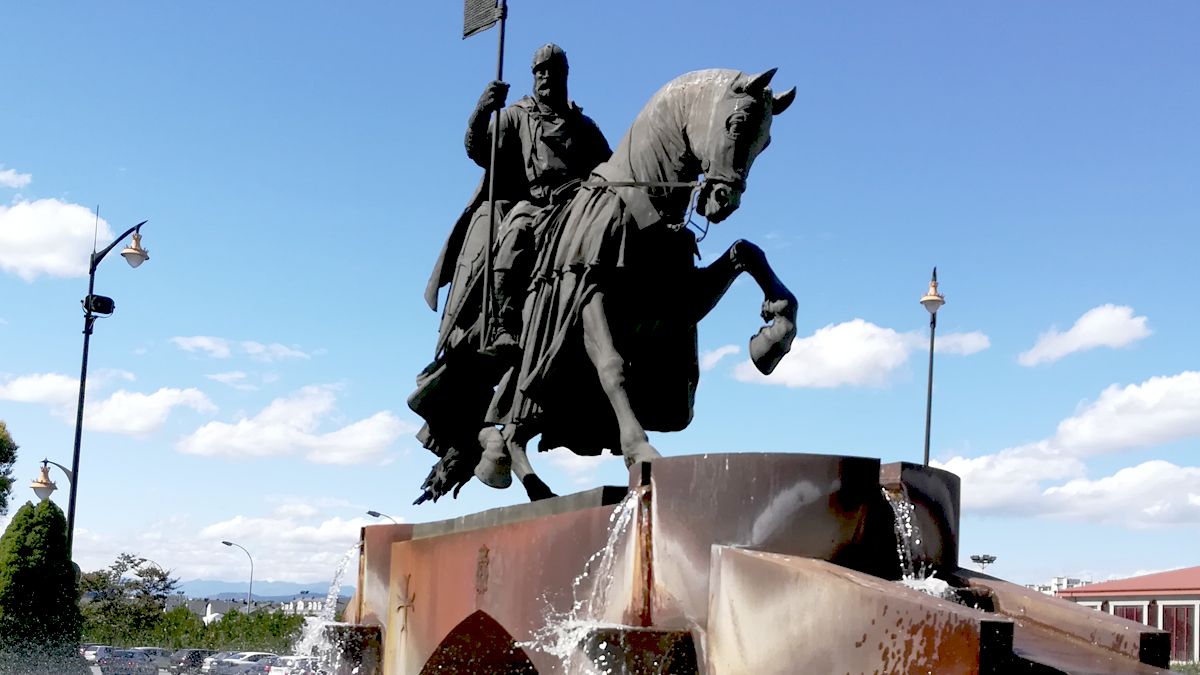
[[564, 632], [919, 577], [313, 640]]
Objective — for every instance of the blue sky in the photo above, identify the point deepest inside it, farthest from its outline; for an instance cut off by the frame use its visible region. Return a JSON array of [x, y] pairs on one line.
[[300, 164]]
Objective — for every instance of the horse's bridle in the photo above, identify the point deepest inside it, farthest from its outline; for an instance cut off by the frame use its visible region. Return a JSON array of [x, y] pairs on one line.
[[695, 185]]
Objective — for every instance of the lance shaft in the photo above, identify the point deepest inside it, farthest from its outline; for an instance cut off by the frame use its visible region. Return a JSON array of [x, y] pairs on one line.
[[487, 251]]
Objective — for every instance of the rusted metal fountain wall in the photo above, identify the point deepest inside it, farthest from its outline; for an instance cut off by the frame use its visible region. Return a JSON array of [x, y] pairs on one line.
[[720, 564]]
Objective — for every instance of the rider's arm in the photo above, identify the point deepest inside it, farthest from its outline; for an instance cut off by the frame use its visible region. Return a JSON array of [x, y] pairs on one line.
[[479, 138]]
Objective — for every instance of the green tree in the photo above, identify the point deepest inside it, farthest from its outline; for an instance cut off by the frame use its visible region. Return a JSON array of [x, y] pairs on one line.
[[181, 628], [39, 610], [124, 603], [8, 455]]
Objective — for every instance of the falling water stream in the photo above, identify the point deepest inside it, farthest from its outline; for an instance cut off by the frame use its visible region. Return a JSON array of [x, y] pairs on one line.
[[565, 631], [914, 573], [313, 640]]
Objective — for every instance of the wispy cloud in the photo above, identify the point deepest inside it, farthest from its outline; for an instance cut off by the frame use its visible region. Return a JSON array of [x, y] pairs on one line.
[[48, 237], [236, 379], [222, 348], [855, 353], [269, 353], [1050, 476], [1104, 326], [11, 179], [710, 359], [290, 426]]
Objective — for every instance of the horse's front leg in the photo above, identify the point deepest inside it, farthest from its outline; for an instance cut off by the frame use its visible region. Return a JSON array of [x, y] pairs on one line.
[[503, 455], [773, 340], [610, 368]]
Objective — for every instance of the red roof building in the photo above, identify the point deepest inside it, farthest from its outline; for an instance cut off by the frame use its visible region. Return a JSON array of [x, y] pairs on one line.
[[1167, 600]]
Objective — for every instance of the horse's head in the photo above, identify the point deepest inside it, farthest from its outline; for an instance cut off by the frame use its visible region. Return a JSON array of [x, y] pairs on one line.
[[729, 135]]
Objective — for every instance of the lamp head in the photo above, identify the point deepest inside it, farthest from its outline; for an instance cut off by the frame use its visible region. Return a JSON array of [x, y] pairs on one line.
[[43, 487], [933, 300], [374, 514], [227, 543], [134, 254]]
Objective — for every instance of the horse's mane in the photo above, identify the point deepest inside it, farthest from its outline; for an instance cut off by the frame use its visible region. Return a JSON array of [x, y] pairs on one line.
[[655, 148]]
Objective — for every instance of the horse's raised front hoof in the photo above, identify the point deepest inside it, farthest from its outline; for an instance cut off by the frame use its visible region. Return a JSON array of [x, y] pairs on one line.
[[640, 452], [536, 488], [495, 466]]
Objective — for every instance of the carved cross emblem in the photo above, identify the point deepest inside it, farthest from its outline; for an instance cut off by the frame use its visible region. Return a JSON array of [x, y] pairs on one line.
[[406, 603]]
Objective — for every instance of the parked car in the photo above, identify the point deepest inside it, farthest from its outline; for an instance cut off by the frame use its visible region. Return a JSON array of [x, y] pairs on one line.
[[243, 663], [96, 652], [158, 656], [293, 665], [126, 662], [210, 662], [187, 661]]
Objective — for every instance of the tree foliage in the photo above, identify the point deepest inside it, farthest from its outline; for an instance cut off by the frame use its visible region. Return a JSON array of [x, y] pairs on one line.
[[125, 600], [124, 605], [39, 610], [8, 456]]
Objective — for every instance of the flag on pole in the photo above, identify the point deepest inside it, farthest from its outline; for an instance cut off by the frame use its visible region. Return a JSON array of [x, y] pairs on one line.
[[479, 15]]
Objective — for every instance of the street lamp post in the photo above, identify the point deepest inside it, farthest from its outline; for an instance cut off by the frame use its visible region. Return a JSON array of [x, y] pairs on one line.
[[94, 307], [376, 514], [933, 301], [42, 486], [983, 560], [250, 592]]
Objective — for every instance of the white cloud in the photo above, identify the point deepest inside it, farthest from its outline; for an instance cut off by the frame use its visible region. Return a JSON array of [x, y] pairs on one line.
[[122, 412], [1103, 326], [216, 347], [1011, 481], [270, 353], [138, 414], [235, 379], [289, 426], [49, 388], [855, 353], [221, 348], [11, 179], [580, 469], [298, 544], [710, 359], [48, 237], [1153, 493], [963, 344], [1029, 478], [1159, 410]]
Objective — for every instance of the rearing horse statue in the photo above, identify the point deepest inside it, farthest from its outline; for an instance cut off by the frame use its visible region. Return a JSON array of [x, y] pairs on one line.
[[609, 347]]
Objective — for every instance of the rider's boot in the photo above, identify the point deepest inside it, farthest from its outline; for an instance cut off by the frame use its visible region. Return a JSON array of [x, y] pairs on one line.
[[504, 341], [495, 466]]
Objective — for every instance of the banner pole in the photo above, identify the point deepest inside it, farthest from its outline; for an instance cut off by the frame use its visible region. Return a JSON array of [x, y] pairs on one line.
[[502, 8]]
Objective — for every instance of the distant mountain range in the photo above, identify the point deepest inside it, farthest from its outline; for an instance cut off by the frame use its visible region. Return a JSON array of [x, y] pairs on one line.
[[263, 590]]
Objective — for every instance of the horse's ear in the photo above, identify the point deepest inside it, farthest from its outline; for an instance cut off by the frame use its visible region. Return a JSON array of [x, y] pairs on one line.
[[782, 101], [756, 84]]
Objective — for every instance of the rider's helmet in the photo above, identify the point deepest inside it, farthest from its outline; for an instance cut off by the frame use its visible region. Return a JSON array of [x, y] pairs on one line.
[[547, 53]]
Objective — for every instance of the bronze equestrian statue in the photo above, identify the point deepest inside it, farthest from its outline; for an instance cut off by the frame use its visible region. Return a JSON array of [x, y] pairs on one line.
[[608, 349]]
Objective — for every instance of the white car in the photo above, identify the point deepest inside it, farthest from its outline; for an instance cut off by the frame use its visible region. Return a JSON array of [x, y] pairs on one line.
[[91, 654], [210, 662], [293, 665], [243, 662]]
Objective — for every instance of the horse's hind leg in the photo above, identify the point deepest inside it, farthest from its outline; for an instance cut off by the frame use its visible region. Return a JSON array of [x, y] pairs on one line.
[[610, 367]]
